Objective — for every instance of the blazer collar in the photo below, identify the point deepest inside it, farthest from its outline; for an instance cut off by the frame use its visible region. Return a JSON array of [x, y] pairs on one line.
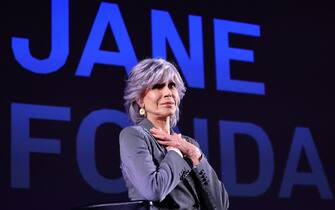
[[145, 123]]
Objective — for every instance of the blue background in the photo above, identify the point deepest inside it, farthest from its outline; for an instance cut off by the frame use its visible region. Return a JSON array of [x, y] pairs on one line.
[[260, 96]]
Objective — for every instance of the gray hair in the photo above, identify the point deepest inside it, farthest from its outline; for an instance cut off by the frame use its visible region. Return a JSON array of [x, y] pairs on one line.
[[146, 74]]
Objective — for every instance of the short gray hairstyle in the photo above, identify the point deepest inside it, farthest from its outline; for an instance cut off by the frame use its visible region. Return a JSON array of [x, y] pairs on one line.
[[146, 74]]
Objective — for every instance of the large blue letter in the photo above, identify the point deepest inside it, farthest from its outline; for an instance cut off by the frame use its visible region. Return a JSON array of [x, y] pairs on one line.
[[163, 31], [223, 55], [86, 151], [303, 140], [107, 14], [23, 145], [228, 161], [59, 42]]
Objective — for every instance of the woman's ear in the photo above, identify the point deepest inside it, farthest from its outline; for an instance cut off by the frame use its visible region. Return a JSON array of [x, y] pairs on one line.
[[140, 102]]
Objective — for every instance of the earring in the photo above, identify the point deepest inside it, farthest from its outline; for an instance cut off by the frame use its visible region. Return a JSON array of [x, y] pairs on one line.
[[142, 111]]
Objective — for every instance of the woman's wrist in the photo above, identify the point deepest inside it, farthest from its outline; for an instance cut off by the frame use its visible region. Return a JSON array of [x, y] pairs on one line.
[[176, 150], [193, 153]]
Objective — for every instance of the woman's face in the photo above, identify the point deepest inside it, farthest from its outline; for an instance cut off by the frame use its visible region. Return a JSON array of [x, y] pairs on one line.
[[161, 100]]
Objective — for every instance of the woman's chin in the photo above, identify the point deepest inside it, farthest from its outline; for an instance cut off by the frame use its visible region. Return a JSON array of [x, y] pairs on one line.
[[169, 113]]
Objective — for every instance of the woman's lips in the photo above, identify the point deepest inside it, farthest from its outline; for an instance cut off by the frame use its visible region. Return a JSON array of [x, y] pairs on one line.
[[168, 104]]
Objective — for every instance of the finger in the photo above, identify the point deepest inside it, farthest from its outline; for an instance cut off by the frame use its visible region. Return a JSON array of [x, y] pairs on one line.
[[169, 143], [165, 143], [153, 130], [160, 136], [156, 131]]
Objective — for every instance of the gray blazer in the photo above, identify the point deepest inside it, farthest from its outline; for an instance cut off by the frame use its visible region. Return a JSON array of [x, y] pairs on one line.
[[155, 174]]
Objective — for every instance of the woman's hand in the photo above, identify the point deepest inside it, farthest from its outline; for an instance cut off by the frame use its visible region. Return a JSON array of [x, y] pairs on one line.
[[176, 141]]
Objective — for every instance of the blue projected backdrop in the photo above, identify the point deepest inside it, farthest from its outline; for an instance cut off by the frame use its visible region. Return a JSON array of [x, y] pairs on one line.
[[259, 97]]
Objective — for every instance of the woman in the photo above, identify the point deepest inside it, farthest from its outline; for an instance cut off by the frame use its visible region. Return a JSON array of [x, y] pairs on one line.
[[157, 164]]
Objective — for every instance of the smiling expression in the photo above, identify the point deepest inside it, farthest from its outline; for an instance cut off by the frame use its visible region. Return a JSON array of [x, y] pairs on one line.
[[161, 100]]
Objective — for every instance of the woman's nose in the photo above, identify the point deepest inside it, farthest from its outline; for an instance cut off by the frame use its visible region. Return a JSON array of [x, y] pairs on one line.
[[166, 91]]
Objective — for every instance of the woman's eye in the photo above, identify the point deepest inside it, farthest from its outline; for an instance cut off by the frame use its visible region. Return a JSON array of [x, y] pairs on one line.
[[172, 85], [158, 86]]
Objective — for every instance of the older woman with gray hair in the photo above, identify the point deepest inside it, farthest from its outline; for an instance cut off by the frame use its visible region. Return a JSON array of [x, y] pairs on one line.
[[158, 164]]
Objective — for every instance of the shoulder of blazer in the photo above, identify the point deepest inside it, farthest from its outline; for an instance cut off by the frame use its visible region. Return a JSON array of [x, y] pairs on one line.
[[136, 133]]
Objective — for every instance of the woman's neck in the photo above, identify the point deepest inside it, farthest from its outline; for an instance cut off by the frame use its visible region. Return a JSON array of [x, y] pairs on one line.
[[161, 123]]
